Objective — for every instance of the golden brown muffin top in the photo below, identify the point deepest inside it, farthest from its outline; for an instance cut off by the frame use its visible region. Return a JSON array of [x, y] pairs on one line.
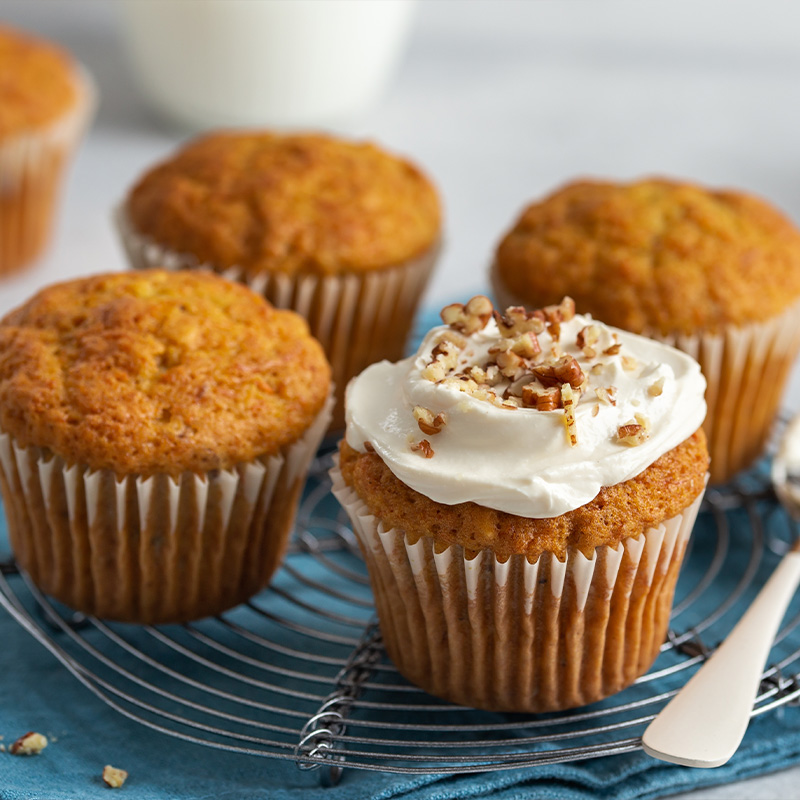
[[295, 203], [157, 372], [654, 255], [668, 486], [37, 82]]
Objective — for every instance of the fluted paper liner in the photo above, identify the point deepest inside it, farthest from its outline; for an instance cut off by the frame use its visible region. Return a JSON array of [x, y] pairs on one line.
[[746, 368], [32, 165], [358, 318], [519, 636], [152, 550]]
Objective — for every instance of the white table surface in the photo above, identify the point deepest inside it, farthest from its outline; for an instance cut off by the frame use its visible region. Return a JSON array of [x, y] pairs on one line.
[[501, 101]]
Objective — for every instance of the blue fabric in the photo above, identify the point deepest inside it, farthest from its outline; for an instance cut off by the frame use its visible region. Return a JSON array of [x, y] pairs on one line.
[[37, 693]]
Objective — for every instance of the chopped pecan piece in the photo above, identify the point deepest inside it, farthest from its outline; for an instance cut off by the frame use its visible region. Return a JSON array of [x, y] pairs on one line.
[[427, 421], [607, 395], [31, 744], [612, 350], [469, 318], [563, 312], [541, 399], [629, 364], [444, 359], [657, 388], [568, 403], [632, 434], [517, 320], [526, 345], [423, 448], [565, 370], [114, 777]]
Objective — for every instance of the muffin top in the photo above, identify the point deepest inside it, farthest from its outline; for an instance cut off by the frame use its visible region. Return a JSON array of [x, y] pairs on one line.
[[157, 371], [37, 82], [528, 413], [654, 256], [265, 202]]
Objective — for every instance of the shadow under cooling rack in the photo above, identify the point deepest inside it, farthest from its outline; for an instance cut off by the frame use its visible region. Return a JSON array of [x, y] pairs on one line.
[[300, 673]]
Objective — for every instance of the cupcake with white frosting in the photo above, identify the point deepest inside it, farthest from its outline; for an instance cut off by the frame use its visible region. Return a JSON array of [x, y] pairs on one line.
[[523, 489]]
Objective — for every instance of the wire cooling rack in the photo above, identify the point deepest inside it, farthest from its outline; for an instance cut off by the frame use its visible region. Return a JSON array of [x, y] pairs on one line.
[[300, 673]]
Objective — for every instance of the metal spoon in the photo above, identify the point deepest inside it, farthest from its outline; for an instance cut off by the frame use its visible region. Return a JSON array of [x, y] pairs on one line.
[[703, 725]]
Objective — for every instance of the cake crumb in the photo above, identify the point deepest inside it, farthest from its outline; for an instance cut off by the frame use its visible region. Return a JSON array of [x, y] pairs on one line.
[[114, 777], [31, 744]]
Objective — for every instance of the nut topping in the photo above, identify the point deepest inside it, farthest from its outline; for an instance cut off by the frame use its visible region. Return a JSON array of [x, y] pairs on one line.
[[423, 448], [428, 423], [469, 318], [541, 399], [632, 434], [656, 389], [517, 320]]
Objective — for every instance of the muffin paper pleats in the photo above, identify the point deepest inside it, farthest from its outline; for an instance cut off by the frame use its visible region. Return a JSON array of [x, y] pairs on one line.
[[515, 635], [746, 368], [152, 550], [32, 166], [358, 318]]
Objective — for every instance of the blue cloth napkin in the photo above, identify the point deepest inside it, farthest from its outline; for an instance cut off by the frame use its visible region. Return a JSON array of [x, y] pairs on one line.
[[37, 693]]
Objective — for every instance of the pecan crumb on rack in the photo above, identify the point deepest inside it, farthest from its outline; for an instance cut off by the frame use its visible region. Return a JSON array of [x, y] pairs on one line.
[[114, 777], [427, 421], [423, 448], [468, 318], [31, 744]]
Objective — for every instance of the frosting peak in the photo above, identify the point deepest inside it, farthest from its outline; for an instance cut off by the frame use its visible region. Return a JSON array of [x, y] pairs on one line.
[[530, 413]]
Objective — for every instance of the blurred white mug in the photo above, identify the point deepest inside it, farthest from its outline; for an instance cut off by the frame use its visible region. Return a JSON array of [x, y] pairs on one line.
[[284, 63]]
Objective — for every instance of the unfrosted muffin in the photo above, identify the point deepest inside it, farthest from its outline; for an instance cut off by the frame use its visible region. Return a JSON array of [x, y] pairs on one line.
[[45, 103], [155, 430], [523, 491], [716, 273], [342, 232]]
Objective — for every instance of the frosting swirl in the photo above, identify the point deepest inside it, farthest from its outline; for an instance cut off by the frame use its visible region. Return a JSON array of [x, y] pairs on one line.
[[527, 413]]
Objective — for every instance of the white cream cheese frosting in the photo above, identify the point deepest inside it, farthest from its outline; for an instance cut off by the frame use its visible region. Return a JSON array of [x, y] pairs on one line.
[[458, 434]]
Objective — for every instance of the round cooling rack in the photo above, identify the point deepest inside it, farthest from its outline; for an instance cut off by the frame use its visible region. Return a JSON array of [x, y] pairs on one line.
[[300, 673]]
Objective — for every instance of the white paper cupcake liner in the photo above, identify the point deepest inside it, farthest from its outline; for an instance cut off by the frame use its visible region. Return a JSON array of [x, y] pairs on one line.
[[358, 318], [519, 636], [746, 368], [155, 549], [31, 169]]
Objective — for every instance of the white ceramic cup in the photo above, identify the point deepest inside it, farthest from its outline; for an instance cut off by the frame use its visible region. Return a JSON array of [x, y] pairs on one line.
[[285, 63]]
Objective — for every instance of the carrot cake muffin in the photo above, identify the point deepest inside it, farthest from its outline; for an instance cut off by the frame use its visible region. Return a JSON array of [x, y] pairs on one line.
[[155, 429], [716, 273], [45, 102], [342, 232], [523, 492]]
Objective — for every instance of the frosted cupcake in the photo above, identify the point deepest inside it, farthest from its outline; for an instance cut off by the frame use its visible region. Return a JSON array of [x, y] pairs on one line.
[[715, 273], [342, 232], [523, 489], [45, 104], [155, 431]]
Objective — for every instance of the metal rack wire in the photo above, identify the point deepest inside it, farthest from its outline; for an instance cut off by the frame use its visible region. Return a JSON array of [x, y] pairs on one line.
[[300, 673]]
